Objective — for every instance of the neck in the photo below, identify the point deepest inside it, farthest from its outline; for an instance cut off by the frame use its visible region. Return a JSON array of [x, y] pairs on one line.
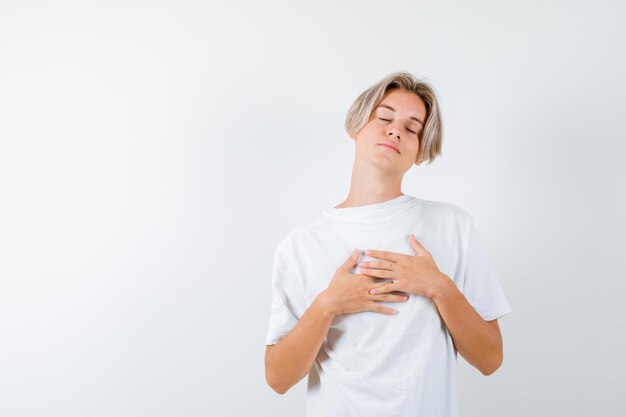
[[370, 186]]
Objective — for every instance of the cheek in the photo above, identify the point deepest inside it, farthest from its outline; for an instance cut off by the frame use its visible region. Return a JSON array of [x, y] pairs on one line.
[[369, 133], [413, 145]]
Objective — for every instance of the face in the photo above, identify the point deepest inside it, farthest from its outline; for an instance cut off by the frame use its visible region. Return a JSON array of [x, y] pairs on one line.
[[395, 123]]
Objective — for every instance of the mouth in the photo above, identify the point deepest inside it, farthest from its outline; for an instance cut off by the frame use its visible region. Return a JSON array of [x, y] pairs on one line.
[[390, 147]]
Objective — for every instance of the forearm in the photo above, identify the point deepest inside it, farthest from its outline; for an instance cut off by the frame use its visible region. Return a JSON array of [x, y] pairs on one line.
[[473, 337], [292, 357]]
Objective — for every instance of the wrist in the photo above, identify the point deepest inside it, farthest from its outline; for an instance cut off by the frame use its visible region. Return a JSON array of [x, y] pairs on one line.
[[323, 301], [441, 287]]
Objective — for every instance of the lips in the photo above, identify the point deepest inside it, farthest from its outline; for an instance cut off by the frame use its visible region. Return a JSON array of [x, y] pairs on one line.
[[392, 146]]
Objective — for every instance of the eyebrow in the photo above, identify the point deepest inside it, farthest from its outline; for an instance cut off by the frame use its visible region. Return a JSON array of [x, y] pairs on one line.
[[392, 109]]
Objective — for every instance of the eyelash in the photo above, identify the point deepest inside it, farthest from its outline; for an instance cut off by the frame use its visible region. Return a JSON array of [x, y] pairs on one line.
[[388, 120]]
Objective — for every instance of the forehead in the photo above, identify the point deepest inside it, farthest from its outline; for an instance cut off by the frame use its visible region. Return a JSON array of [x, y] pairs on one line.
[[406, 103]]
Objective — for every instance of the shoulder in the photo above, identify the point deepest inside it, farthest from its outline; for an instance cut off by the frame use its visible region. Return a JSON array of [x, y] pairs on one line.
[[301, 234], [443, 211]]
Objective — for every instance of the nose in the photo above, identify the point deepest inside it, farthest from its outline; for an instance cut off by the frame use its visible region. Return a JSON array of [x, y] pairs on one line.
[[394, 133]]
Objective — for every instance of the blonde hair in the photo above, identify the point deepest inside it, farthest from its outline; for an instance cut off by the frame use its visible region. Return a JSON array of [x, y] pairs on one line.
[[430, 137]]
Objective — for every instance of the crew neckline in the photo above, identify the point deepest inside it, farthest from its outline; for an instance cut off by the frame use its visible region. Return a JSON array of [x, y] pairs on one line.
[[375, 210]]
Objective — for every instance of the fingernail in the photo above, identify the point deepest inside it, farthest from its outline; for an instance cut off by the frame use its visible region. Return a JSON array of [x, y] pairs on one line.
[[372, 291]]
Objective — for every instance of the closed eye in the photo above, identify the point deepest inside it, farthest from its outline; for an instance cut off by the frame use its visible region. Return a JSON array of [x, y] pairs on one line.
[[388, 120]]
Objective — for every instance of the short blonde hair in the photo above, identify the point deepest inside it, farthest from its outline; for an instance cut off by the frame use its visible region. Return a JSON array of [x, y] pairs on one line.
[[431, 136]]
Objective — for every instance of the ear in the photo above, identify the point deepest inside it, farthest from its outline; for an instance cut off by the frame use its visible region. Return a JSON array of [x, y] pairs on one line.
[[417, 162], [352, 135]]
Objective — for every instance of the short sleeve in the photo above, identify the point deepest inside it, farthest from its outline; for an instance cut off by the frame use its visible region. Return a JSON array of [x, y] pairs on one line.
[[481, 286], [286, 291]]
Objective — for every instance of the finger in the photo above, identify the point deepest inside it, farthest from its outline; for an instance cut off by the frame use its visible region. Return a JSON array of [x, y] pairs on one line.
[[351, 261], [384, 288], [406, 294], [390, 256], [377, 264], [419, 249], [374, 280], [380, 273], [378, 308], [392, 298]]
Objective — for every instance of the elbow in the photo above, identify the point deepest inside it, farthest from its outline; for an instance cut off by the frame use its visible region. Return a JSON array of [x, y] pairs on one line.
[[491, 368], [488, 371], [274, 383], [273, 378], [280, 390], [494, 360], [277, 386]]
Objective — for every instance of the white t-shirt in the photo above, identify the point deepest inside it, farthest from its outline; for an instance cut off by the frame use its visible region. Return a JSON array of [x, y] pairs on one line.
[[373, 364]]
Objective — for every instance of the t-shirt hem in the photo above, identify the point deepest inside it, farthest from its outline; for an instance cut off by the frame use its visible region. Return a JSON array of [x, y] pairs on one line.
[[494, 316], [272, 340]]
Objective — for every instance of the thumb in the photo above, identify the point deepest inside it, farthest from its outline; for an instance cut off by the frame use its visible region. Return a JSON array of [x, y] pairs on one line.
[[351, 261], [419, 249]]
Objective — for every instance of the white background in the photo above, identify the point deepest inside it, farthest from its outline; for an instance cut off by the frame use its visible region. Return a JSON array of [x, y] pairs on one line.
[[152, 155]]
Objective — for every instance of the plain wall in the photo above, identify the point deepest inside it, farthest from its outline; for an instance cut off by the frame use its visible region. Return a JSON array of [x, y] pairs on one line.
[[153, 154]]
